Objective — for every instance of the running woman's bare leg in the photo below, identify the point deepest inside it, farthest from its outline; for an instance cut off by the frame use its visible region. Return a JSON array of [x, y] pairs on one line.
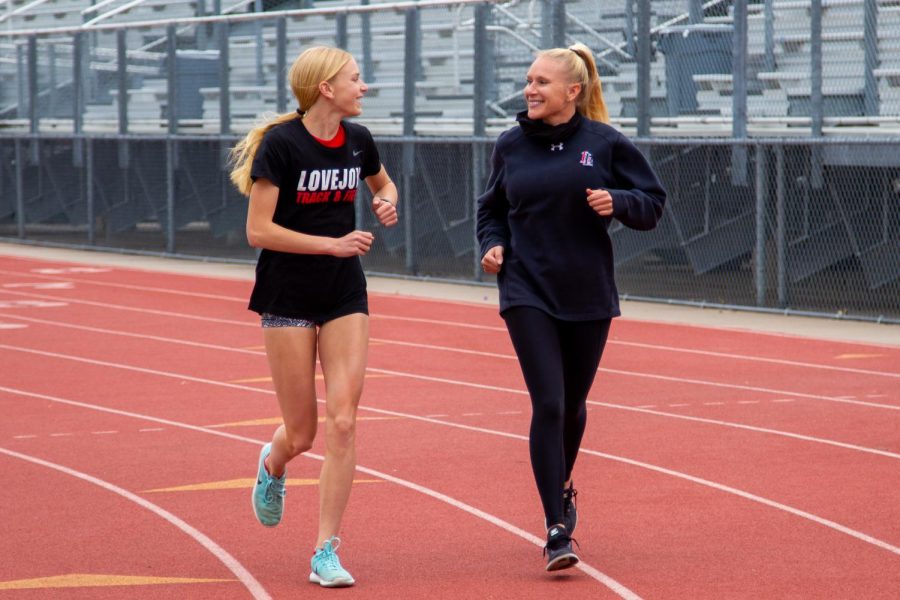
[[343, 350], [291, 352]]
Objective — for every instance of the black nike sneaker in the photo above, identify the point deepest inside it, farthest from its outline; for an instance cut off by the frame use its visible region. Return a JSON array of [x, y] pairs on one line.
[[558, 550]]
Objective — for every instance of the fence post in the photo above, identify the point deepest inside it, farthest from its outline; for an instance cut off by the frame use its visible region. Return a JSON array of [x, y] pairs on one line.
[[643, 69], [780, 227], [760, 253], [410, 76], [20, 189], [482, 64], [89, 190]]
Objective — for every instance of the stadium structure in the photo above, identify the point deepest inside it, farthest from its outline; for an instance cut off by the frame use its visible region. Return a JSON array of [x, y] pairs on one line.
[[774, 125]]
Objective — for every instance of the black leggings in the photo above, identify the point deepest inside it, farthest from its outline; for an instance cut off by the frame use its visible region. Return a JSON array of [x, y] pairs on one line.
[[559, 360]]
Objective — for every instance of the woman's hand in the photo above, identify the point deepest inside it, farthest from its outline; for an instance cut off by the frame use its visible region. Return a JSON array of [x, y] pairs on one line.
[[385, 211], [601, 201], [492, 260], [355, 243]]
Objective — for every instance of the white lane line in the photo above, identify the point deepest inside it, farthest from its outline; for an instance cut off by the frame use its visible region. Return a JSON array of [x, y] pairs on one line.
[[457, 350], [612, 584], [795, 436], [714, 485], [447, 381], [150, 429], [103, 432], [250, 582], [471, 326], [24, 437]]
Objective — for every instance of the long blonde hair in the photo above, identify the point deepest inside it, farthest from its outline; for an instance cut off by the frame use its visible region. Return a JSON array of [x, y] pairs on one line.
[[579, 61], [312, 67]]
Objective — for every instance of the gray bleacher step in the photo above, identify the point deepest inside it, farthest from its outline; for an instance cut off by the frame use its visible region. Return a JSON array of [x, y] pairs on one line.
[[629, 244], [817, 251], [881, 263], [721, 245]]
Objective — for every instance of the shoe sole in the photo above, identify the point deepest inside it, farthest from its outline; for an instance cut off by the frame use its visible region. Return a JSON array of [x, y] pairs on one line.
[[313, 578], [566, 561]]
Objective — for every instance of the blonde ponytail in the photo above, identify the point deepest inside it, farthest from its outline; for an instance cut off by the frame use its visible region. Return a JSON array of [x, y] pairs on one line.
[[242, 155], [580, 62]]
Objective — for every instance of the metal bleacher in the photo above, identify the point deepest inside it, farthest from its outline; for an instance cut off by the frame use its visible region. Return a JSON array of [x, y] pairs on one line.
[[710, 217]]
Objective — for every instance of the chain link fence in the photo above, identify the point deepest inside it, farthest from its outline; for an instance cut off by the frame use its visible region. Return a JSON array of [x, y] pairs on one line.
[[774, 125]]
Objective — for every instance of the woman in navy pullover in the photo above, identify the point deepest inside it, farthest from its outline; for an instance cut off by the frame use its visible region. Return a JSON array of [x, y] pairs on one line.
[[557, 181]]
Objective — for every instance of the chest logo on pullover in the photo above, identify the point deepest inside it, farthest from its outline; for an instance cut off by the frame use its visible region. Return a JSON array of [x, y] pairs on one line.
[[327, 185], [555, 147], [587, 159]]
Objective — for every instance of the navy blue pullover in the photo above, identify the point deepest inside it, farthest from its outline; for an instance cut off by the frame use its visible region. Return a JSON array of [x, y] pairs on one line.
[[557, 251]]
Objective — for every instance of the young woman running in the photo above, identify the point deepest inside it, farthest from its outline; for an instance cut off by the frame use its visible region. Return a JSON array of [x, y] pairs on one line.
[[557, 181], [301, 172]]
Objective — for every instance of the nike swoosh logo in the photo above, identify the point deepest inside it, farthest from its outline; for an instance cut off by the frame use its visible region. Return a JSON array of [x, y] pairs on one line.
[[357, 152], [259, 482]]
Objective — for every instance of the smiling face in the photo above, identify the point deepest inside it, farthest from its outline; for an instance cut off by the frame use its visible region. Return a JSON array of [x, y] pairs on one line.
[[549, 93], [347, 89]]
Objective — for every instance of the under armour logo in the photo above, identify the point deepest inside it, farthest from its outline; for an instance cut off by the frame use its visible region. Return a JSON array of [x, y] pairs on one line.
[[555, 147]]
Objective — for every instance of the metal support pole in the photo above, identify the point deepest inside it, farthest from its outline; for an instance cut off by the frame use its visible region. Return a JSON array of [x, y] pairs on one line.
[[760, 253], [558, 24], [89, 190], [780, 227], [172, 79], [169, 225], [695, 11], [122, 96], [260, 45], [816, 99], [281, 65], [769, 34], [31, 57], [340, 30], [643, 69], [870, 46], [368, 67], [79, 51], [483, 72], [222, 29], [52, 83], [411, 64], [739, 96], [20, 189]]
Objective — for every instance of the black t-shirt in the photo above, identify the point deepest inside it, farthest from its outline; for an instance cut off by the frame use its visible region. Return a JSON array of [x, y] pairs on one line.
[[317, 188]]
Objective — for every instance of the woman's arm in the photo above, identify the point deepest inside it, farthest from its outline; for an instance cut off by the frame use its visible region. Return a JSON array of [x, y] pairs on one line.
[[263, 232], [384, 197], [639, 198]]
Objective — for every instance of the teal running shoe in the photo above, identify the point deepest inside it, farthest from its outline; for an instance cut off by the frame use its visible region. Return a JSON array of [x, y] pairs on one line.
[[326, 566], [268, 493]]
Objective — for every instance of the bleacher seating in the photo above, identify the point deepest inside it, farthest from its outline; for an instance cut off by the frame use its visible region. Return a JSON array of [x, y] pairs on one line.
[[444, 92]]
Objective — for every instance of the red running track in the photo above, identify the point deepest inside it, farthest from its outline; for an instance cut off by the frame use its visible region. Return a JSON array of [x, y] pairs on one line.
[[716, 464]]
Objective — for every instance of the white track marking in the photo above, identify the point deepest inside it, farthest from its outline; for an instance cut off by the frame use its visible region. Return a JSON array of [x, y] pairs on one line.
[[612, 584], [250, 582], [714, 485], [448, 349], [471, 326]]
